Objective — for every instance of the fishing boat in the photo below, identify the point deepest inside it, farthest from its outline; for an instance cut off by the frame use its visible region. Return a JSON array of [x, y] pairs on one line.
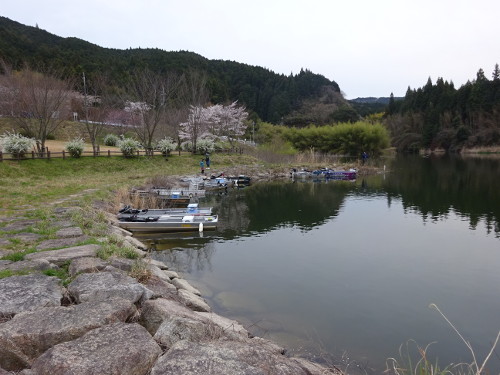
[[217, 183], [303, 173], [329, 174], [240, 180], [128, 212], [169, 223], [339, 175]]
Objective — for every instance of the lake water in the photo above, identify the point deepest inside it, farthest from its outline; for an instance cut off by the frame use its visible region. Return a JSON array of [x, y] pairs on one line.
[[345, 272]]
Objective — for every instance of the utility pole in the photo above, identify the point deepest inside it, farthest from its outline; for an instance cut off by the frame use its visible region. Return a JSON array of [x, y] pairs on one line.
[[253, 133]]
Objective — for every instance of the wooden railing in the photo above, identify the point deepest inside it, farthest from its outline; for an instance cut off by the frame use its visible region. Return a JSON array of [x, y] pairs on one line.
[[47, 154]]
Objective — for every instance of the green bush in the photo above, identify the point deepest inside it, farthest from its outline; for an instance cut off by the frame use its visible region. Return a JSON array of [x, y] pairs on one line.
[[16, 144], [111, 140], [75, 147], [128, 146], [344, 138]]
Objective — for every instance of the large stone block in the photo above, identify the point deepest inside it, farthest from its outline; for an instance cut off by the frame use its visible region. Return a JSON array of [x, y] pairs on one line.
[[28, 335], [63, 255], [104, 285], [28, 292], [228, 358], [114, 349]]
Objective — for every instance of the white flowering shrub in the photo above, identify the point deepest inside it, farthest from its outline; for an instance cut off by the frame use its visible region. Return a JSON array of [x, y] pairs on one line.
[[166, 145], [128, 146], [205, 145], [16, 144], [111, 140], [75, 147]]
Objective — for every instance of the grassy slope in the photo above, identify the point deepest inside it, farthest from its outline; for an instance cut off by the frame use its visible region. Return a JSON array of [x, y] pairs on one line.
[[37, 182]]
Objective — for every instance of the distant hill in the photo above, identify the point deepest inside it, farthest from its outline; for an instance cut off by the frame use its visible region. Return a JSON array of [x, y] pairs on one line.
[[294, 99], [373, 100], [369, 105]]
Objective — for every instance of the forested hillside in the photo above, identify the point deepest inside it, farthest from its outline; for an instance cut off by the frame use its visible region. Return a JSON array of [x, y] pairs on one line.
[[441, 116], [295, 99]]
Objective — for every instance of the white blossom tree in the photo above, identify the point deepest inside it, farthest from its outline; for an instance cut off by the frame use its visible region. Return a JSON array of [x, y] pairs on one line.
[[216, 121], [228, 121], [196, 126]]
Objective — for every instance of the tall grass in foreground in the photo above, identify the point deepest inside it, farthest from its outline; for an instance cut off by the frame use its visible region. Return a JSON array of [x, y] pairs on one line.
[[406, 365]]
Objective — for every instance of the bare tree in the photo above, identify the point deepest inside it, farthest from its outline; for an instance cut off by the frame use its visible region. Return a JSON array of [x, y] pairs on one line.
[[41, 103], [194, 98], [175, 116], [92, 107], [150, 95]]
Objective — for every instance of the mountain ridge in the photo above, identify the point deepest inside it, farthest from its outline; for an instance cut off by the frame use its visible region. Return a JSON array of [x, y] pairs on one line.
[[306, 97]]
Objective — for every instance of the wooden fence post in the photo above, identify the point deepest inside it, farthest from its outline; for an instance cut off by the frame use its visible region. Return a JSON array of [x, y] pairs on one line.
[[32, 154], [48, 154], [1, 156], [109, 153], [64, 154]]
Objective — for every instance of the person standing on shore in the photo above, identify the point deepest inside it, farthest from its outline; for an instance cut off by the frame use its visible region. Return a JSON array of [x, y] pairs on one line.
[[207, 160], [364, 157], [202, 166]]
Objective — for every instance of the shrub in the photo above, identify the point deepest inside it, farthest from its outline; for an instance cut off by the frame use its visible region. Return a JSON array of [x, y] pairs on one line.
[[75, 147], [166, 145], [111, 140], [344, 138], [128, 146], [16, 144]]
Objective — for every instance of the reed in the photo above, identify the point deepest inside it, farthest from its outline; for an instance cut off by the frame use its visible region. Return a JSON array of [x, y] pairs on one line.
[[409, 364]]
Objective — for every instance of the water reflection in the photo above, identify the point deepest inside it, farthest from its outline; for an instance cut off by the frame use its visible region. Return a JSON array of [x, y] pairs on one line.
[[355, 265], [438, 186]]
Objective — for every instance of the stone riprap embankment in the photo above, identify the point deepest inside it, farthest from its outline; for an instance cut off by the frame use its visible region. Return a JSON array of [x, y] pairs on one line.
[[104, 321]]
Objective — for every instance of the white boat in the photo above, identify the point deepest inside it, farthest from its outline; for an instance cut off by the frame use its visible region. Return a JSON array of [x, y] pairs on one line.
[[217, 183], [129, 212], [170, 223]]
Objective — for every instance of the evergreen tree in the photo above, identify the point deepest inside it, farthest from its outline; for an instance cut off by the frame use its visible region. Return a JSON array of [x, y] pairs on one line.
[[496, 73]]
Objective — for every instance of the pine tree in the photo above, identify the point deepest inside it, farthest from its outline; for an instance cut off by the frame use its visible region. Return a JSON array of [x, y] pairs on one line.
[[496, 73]]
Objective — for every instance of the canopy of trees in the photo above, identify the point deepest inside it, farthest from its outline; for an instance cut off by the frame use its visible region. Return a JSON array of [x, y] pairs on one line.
[[439, 115], [271, 96]]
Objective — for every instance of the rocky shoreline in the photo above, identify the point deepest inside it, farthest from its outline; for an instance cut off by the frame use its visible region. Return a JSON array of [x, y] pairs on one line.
[[116, 316]]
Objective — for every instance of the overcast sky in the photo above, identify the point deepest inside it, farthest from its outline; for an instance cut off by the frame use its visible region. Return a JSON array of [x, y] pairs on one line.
[[369, 47]]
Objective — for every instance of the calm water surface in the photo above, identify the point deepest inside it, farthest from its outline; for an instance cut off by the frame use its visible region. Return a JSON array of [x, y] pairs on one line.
[[346, 271]]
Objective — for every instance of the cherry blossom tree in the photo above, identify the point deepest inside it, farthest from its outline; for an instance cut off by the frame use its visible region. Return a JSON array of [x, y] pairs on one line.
[[196, 126], [228, 121], [214, 122]]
